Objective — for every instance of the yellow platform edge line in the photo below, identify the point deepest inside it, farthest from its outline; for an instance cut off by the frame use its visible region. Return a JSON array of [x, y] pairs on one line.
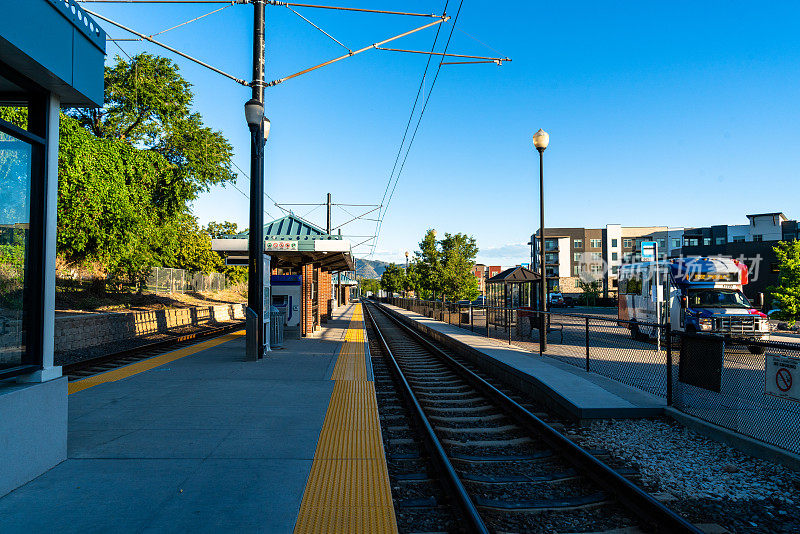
[[150, 363], [348, 488]]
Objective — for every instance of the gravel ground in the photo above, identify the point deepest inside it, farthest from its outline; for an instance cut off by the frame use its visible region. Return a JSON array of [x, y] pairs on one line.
[[712, 482]]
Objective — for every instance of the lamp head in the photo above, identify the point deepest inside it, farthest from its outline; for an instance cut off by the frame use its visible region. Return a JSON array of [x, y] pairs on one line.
[[253, 113], [541, 139], [267, 125]]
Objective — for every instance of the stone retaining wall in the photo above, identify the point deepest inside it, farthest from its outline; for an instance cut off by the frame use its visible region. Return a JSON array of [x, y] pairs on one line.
[[86, 330]]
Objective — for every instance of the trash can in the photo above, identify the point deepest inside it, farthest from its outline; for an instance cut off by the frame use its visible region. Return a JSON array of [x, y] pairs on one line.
[[277, 320]]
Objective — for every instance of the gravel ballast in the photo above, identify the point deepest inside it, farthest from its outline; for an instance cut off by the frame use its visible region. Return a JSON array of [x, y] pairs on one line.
[[711, 482]]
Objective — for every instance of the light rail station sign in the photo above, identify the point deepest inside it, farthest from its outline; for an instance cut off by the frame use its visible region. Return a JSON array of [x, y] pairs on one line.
[[782, 377]]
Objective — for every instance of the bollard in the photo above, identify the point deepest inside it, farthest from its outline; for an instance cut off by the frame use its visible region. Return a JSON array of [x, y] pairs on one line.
[[587, 344]]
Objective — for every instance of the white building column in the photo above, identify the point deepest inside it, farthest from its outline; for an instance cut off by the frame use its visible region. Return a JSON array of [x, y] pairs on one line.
[[49, 370]]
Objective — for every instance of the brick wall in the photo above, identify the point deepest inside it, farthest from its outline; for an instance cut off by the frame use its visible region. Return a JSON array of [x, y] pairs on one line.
[[307, 320], [325, 290], [75, 332]]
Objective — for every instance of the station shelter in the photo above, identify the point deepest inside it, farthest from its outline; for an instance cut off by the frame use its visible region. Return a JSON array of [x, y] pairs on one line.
[[345, 287], [51, 56], [511, 289], [303, 262]]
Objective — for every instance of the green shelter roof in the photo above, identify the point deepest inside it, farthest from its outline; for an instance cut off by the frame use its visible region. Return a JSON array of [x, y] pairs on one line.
[[290, 227]]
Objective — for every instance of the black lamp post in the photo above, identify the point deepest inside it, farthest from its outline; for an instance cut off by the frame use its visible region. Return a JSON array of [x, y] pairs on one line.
[[259, 131], [540, 141]]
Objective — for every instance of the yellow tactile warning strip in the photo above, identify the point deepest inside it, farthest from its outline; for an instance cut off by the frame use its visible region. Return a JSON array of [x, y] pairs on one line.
[[348, 487], [150, 363]]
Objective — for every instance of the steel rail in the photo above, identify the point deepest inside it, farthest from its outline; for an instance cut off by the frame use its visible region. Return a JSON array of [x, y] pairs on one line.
[[432, 443], [158, 345], [638, 501]]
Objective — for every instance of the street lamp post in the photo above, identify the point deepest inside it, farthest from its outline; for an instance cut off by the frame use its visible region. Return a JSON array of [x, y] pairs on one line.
[[540, 141]]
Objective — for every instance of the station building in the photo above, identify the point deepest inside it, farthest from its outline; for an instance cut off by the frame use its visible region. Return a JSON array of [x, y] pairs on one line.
[[307, 265], [51, 56]]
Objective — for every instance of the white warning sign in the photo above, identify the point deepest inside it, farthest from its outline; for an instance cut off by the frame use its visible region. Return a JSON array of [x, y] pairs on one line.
[[782, 377]]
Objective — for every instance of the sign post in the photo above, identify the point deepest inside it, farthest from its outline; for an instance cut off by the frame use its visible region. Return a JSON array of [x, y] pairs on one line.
[[650, 253]]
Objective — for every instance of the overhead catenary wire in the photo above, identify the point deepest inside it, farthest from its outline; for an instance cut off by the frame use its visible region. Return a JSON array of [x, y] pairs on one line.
[[337, 41], [408, 123], [416, 128], [171, 49]]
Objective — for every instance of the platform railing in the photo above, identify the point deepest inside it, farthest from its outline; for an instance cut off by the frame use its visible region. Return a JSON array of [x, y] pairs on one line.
[[747, 386]]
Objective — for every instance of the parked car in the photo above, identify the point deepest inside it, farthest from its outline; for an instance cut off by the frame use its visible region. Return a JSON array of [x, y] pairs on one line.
[[480, 301], [556, 299]]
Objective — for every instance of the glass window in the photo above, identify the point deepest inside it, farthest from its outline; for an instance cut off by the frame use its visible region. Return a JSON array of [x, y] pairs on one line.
[[576, 270], [578, 243], [758, 238], [614, 243], [596, 243], [614, 269], [15, 207], [627, 243], [614, 256], [597, 256], [662, 243], [721, 241], [578, 256], [706, 241], [738, 239], [676, 242], [595, 268]]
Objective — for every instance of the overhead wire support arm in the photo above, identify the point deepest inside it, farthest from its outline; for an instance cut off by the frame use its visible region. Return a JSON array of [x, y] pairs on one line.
[[442, 18], [487, 59], [338, 8], [337, 41], [173, 50]]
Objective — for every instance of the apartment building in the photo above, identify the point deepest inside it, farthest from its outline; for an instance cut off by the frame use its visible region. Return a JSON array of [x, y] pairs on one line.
[[484, 272], [572, 254]]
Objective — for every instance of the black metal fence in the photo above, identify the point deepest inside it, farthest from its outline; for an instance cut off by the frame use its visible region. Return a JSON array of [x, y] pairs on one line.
[[746, 386]]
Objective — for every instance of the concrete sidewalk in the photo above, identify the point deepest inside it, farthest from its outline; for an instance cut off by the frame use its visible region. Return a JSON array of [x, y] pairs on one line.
[[565, 388], [205, 443]]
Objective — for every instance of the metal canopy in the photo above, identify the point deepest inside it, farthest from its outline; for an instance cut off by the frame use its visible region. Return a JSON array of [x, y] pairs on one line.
[[293, 242], [514, 274]]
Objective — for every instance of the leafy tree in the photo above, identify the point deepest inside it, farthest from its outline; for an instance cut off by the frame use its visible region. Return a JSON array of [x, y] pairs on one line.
[[216, 230], [369, 285], [591, 291], [786, 295], [393, 279], [193, 251], [148, 104], [427, 267], [413, 279], [458, 252]]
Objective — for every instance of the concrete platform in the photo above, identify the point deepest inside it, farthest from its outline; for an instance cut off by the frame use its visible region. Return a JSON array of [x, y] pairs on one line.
[[567, 389], [205, 443]]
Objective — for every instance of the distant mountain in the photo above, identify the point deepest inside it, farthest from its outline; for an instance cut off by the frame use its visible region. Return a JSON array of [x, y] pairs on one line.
[[372, 269]]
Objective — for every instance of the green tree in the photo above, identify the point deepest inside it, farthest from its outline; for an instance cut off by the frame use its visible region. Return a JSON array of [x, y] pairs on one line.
[[216, 230], [193, 251], [427, 268], [413, 279], [393, 279], [148, 104], [786, 295], [591, 291], [458, 252], [369, 285]]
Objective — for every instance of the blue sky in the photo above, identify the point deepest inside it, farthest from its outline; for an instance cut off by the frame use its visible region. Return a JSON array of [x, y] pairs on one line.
[[675, 114]]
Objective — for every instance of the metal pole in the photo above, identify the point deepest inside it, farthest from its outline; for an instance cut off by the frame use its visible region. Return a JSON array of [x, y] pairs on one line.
[[543, 273], [255, 286], [328, 228], [587, 344], [668, 341]]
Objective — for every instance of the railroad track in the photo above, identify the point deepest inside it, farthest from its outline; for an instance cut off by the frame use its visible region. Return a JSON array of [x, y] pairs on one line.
[[108, 362], [500, 466]]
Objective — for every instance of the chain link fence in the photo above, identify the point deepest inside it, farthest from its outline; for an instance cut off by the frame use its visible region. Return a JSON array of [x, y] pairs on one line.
[[167, 280], [750, 387]]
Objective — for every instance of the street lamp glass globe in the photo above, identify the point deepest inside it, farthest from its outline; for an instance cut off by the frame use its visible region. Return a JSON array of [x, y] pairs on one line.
[[541, 139], [267, 125], [253, 112]]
